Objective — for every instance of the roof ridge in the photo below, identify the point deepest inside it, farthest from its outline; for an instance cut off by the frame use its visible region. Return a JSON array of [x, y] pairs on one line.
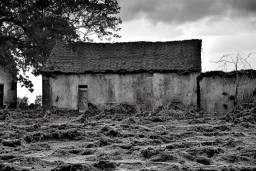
[[128, 42]]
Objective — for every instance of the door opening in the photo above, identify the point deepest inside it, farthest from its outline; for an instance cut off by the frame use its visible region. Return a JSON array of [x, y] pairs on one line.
[[1, 96], [82, 98]]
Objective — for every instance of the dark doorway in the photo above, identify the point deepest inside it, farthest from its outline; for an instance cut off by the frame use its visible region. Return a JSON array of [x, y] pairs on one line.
[[1, 96], [46, 96], [82, 98]]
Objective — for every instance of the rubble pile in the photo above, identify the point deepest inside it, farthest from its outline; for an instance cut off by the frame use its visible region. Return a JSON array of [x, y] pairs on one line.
[[126, 109], [245, 117]]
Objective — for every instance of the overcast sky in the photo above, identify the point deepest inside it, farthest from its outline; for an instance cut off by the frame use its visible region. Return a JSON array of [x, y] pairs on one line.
[[225, 26]]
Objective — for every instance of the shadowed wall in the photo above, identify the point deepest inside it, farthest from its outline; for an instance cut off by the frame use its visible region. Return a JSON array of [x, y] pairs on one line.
[[10, 87]]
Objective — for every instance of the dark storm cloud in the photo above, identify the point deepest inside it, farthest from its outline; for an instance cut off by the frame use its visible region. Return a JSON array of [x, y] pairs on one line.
[[248, 6], [171, 11]]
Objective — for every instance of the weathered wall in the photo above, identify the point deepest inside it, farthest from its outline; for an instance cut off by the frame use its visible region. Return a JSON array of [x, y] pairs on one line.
[[10, 86], [216, 92], [144, 89]]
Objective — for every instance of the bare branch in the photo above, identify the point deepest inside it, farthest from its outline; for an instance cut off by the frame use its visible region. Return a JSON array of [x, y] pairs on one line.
[[250, 55]]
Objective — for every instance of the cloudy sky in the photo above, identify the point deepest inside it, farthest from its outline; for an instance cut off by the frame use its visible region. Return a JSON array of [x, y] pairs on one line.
[[225, 26]]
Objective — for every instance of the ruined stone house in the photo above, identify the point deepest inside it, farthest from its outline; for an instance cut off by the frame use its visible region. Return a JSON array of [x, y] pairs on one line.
[[145, 74], [8, 85]]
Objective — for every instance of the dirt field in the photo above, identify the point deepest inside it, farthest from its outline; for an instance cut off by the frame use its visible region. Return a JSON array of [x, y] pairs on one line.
[[166, 140]]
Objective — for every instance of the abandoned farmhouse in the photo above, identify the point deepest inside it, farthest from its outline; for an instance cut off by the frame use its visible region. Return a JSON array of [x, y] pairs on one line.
[[145, 74]]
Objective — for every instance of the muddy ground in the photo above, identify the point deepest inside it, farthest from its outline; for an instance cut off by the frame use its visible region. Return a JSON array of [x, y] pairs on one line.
[[115, 140]]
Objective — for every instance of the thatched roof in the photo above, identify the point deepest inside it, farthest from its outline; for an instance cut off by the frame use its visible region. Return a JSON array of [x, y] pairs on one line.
[[125, 57]]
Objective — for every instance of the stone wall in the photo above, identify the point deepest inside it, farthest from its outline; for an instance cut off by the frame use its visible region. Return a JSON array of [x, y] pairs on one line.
[[146, 90], [217, 90], [212, 91]]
